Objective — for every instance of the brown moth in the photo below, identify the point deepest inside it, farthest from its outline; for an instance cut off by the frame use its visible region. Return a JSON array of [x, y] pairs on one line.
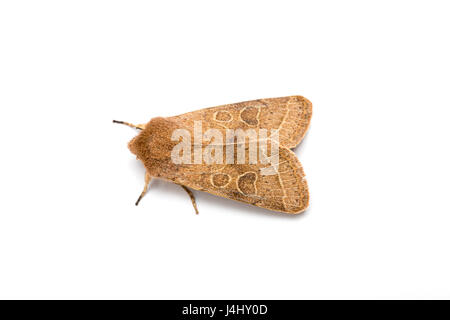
[[284, 189]]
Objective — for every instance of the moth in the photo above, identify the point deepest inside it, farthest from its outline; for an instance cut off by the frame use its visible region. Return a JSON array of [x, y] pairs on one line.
[[239, 151]]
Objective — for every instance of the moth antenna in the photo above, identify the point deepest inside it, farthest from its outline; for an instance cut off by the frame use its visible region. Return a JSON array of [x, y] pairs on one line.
[[191, 195], [138, 126], [148, 178]]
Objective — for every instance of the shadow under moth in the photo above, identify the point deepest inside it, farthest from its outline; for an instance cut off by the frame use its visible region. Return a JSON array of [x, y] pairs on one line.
[[239, 151]]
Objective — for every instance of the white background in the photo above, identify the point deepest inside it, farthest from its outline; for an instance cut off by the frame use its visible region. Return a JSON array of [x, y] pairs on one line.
[[376, 156]]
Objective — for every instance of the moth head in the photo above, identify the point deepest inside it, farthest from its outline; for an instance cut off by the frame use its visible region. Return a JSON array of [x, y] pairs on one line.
[[139, 145], [134, 147], [153, 144]]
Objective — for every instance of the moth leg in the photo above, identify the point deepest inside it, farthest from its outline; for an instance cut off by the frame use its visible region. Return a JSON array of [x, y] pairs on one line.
[[136, 126], [191, 195], [148, 178]]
